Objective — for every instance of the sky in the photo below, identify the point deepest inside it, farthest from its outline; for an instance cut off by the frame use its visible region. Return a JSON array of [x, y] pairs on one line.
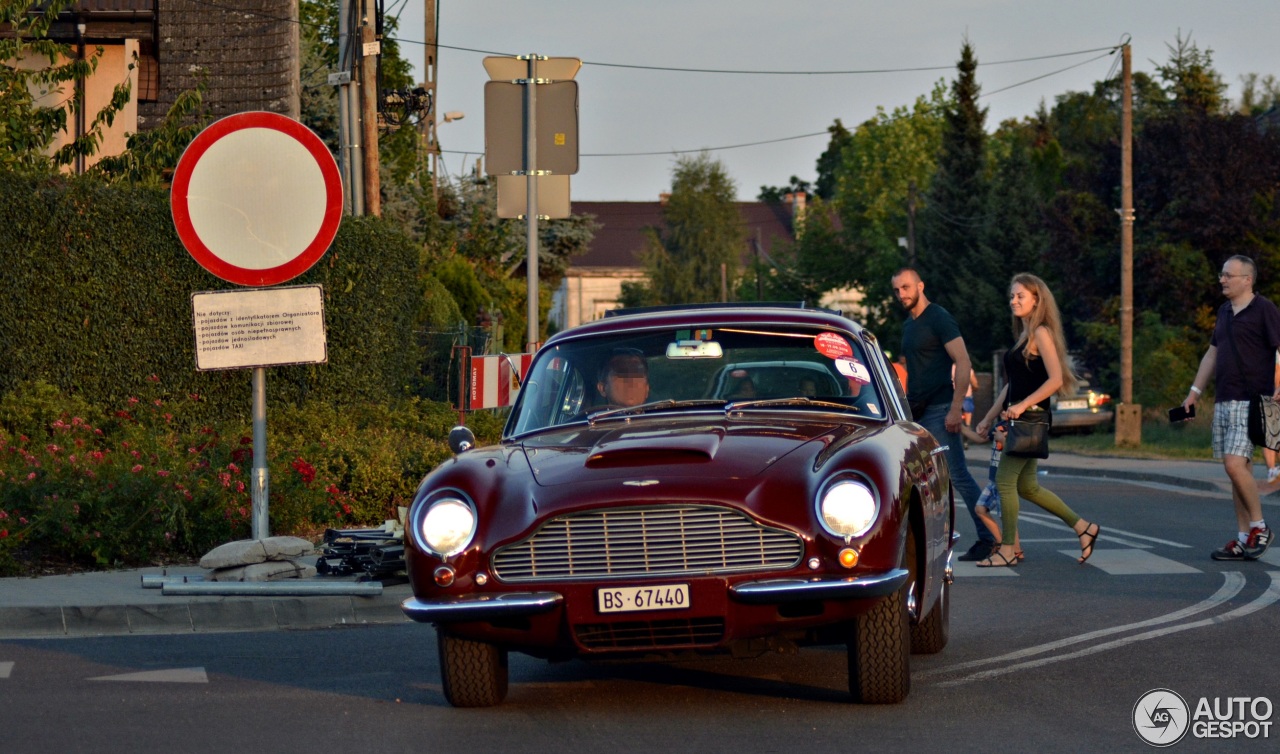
[[625, 110]]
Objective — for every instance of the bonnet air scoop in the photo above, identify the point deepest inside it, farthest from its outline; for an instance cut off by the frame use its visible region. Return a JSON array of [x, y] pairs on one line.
[[653, 451]]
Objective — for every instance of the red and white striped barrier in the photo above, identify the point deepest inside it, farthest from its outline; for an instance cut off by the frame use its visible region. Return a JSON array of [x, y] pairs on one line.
[[492, 383]]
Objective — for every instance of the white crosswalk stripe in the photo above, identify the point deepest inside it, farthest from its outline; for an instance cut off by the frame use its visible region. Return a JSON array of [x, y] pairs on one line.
[[5, 669], [173, 675], [1132, 562]]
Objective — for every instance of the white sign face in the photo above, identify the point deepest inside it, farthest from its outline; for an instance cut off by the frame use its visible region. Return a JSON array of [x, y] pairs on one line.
[[256, 198], [243, 189], [259, 327]]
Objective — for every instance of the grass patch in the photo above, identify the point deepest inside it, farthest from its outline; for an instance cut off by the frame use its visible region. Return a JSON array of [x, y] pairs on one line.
[[1190, 440]]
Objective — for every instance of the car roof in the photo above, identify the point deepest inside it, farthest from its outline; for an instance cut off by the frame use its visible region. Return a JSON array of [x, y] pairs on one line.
[[710, 315]]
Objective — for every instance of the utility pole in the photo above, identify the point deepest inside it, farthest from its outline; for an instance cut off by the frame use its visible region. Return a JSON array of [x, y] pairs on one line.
[[429, 122], [1129, 414], [349, 159], [370, 48]]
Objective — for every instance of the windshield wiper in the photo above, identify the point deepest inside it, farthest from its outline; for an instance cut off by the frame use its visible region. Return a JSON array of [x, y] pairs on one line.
[[796, 401], [654, 406]]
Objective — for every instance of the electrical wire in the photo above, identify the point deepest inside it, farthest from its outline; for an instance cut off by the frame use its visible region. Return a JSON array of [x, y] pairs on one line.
[[747, 72], [1044, 76]]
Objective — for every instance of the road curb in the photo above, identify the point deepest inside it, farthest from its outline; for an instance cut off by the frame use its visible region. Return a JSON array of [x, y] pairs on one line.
[[204, 616], [1136, 476]]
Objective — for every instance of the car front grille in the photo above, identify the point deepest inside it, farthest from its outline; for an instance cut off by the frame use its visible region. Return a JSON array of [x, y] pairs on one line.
[[658, 634], [669, 540]]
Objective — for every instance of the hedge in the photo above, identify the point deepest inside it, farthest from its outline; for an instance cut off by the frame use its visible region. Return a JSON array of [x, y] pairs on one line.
[[95, 298]]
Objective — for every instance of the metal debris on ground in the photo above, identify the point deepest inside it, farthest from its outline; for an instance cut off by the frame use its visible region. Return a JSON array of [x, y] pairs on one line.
[[374, 554]]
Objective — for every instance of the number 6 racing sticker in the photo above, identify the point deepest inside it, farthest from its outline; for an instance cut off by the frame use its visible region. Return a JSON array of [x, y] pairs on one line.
[[853, 369]]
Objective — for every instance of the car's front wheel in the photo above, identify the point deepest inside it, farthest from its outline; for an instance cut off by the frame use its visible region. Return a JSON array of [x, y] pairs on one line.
[[473, 673], [930, 635], [880, 652]]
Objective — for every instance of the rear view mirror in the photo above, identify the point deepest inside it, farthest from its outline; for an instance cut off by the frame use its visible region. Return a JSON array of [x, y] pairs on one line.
[[694, 349]]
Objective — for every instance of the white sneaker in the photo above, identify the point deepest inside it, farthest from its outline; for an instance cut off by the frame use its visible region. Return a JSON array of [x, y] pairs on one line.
[[1272, 473]]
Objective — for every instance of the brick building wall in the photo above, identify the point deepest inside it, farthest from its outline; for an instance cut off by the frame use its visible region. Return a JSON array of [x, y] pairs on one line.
[[246, 55]]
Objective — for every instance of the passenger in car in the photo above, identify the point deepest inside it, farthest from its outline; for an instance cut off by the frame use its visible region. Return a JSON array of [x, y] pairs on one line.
[[744, 390]]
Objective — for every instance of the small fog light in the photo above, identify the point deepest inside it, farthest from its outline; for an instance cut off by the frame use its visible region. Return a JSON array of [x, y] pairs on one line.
[[482, 579], [848, 557], [814, 564], [444, 576]]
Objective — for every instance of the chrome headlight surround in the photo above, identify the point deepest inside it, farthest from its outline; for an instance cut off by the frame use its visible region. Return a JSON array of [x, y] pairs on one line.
[[847, 506], [445, 522]]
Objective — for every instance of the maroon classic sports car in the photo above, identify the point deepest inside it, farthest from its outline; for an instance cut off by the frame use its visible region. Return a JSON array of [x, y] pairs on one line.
[[739, 478]]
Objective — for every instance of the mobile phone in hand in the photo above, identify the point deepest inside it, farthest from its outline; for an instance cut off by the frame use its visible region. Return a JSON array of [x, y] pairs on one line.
[[1180, 414]]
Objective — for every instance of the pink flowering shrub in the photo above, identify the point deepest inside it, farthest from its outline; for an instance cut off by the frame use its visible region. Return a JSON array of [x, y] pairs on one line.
[[145, 482]]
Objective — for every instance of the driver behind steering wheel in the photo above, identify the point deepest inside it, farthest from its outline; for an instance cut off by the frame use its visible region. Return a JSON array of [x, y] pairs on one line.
[[624, 379]]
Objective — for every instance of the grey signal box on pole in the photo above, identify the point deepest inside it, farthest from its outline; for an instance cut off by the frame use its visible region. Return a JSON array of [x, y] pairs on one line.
[[556, 123], [531, 132], [555, 118]]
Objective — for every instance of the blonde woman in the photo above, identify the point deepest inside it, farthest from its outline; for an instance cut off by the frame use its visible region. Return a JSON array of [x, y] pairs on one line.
[[1036, 368]]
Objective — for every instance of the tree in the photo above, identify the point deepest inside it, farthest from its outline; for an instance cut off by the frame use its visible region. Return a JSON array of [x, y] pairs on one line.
[[1258, 94], [1190, 78], [829, 162], [883, 172], [150, 154], [792, 272], [1013, 236], [951, 257], [702, 231], [32, 66]]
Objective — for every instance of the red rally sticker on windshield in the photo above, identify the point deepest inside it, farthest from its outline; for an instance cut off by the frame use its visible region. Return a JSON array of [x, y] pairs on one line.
[[854, 370], [832, 345]]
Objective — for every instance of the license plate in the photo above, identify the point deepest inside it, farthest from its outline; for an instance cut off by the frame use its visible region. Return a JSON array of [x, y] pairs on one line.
[[1074, 404], [629, 599]]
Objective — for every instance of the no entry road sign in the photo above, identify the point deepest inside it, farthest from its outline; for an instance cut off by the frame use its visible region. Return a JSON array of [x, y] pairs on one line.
[[257, 198]]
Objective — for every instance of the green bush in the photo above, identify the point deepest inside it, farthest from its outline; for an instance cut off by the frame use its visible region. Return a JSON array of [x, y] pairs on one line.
[[150, 482]]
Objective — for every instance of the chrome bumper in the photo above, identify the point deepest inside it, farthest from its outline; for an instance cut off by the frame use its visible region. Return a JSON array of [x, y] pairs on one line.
[[481, 607], [801, 590]]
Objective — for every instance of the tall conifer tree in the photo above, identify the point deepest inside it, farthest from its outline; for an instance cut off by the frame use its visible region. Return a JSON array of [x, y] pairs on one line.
[[960, 273]]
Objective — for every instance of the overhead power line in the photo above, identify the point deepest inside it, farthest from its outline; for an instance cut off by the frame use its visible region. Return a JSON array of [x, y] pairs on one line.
[[749, 72]]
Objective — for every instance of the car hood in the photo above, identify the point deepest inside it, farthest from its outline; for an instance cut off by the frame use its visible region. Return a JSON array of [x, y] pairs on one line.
[[736, 447]]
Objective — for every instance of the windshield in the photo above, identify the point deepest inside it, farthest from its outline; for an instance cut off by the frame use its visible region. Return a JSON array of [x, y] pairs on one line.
[[750, 367]]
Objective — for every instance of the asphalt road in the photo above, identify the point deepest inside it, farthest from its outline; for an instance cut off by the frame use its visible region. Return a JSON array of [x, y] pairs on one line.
[[1052, 656]]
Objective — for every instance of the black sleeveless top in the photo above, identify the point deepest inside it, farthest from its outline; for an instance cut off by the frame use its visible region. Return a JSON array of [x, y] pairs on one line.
[[1025, 376]]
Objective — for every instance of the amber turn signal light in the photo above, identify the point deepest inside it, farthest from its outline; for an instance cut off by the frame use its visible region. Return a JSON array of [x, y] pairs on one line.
[[848, 557], [444, 576]]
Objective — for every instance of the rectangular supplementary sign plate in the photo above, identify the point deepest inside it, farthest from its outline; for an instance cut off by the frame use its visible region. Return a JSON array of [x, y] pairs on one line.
[[629, 599], [259, 327]]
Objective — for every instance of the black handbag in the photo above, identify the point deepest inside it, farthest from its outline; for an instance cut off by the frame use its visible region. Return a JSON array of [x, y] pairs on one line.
[[1028, 435]]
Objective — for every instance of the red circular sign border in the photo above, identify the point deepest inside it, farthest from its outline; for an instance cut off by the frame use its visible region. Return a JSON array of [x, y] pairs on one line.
[[205, 256]]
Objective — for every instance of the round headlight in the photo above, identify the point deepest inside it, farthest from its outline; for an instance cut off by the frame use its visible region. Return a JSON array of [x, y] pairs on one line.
[[848, 508], [448, 526]]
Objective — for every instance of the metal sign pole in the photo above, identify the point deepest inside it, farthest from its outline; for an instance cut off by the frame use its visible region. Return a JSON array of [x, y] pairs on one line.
[[531, 202], [260, 480]]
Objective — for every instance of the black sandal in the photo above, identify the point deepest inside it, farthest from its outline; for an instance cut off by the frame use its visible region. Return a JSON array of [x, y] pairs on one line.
[[1086, 551], [990, 562]]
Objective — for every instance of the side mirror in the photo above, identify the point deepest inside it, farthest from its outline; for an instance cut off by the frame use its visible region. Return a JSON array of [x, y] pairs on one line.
[[461, 439]]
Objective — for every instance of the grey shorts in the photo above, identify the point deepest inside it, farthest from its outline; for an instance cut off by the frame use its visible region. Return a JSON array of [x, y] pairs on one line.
[[1231, 429]]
